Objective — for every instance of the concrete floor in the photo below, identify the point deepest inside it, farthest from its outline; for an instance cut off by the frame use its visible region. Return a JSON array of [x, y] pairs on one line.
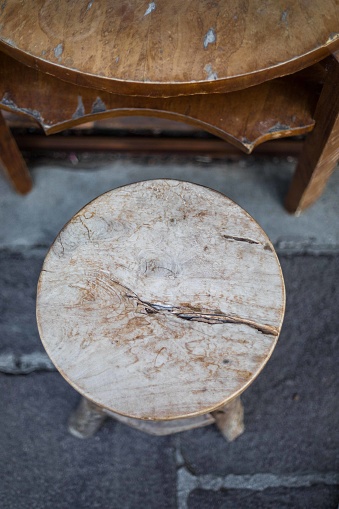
[[288, 455]]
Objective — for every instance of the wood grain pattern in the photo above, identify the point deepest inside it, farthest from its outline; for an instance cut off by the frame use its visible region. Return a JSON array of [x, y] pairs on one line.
[[280, 108], [166, 48], [321, 149], [160, 300]]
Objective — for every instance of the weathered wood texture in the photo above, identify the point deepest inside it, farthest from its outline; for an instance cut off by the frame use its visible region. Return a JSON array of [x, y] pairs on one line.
[[321, 148], [280, 108], [230, 419], [160, 300], [169, 48], [12, 161], [88, 417], [161, 428]]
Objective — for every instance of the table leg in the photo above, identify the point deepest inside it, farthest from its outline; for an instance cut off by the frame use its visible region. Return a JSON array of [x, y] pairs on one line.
[[86, 419], [321, 148], [12, 161], [230, 419]]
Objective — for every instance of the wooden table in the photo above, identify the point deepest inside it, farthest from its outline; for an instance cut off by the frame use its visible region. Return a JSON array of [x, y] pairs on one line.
[[161, 302], [245, 71]]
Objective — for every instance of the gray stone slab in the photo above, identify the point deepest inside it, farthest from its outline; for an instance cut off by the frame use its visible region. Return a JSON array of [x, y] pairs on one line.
[[291, 414], [292, 409], [315, 497], [42, 465], [19, 274], [256, 184]]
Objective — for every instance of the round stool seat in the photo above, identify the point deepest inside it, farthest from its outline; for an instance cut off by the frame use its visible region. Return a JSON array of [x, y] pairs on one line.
[[160, 300]]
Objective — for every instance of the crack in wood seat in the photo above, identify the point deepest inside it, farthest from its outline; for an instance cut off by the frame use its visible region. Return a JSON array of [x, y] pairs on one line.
[[160, 301]]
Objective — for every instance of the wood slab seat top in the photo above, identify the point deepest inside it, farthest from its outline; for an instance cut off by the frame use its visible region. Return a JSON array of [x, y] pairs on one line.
[[169, 47], [160, 300]]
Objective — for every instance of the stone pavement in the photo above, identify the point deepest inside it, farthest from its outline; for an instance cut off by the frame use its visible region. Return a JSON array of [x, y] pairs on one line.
[[287, 457]]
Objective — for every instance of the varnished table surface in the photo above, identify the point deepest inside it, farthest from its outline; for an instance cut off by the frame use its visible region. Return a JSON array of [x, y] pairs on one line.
[[164, 48]]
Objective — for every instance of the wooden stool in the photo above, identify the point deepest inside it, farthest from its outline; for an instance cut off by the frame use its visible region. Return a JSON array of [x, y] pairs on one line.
[[245, 71], [160, 302]]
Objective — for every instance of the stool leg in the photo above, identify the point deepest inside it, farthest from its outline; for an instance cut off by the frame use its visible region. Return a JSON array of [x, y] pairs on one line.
[[230, 419], [12, 161], [86, 419], [321, 148]]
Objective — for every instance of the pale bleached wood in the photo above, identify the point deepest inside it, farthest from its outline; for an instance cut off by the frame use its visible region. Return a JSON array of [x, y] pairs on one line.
[[86, 419], [230, 419], [160, 300], [161, 428]]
